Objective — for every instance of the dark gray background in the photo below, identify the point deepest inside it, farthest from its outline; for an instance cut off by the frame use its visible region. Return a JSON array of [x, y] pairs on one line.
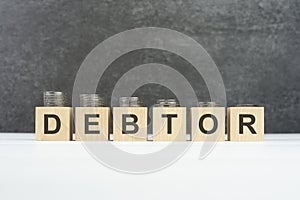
[[254, 43]]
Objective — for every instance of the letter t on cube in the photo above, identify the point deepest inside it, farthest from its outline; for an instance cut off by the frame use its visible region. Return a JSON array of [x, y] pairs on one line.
[[169, 124]]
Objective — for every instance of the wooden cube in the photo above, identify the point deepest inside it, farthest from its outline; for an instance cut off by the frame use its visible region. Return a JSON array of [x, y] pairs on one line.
[[130, 124], [53, 123], [245, 123], [169, 124], [92, 123], [208, 124]]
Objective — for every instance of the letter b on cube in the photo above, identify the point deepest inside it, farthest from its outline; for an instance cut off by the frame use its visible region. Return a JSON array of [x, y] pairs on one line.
[[130, 123]]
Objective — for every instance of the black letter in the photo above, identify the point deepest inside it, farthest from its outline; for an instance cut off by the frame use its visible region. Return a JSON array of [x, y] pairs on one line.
[[87, 123], [133, 123], [169, 121], [46, 126], [201, 124], [248, 124]]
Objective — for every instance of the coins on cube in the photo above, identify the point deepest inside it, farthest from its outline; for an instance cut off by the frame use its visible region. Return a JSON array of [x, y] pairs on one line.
[[167, 103], [91, 100], [54, 99], [129, 102], [208, 104]]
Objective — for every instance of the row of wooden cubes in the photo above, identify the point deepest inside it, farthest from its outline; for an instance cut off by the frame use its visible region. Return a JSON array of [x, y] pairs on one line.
[[169, 124]]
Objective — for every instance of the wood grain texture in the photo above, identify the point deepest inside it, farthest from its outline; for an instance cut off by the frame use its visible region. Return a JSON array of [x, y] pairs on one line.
[[65, 116], [218, 134], [141, 113], [233, 121], [160, 125], [102, 127]]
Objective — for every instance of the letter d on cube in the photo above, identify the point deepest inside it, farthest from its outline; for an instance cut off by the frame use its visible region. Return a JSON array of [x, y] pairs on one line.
[[53, 123]]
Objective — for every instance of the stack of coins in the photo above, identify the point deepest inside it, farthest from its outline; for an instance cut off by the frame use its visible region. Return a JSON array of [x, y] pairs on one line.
[[54, 99], [134, 102], [167, 103], [160, 102], [124, 101], [91, 100], [129, 102], [172, 103], [208, 104]]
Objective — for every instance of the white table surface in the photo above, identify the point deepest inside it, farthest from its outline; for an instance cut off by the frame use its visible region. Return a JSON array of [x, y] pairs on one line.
[[234, 170]]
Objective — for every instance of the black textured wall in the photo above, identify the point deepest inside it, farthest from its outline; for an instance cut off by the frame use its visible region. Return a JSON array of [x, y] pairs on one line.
[[255, 44]]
